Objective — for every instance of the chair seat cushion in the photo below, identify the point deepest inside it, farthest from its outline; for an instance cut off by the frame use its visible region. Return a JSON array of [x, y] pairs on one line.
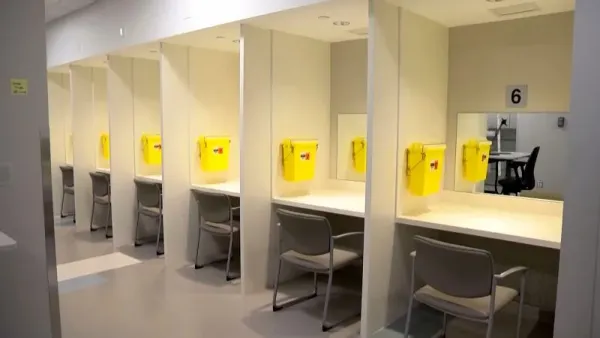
[[101, 199], [69, 190], [149, 211], [221, 228], [477, 308], [320, 262]]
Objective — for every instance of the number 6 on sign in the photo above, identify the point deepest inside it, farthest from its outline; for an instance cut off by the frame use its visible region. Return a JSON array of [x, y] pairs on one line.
[[516, 96]]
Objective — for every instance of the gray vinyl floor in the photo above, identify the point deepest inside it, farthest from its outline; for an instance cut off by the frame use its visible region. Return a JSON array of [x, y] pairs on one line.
[[148, 300]]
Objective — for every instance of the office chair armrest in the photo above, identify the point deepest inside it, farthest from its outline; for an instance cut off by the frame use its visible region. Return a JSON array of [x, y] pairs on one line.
[[348, 234], [511, 271]]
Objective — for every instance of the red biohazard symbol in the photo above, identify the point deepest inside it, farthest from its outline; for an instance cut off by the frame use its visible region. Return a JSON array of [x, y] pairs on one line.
[[305, 156], [218, 150], [433, 165]]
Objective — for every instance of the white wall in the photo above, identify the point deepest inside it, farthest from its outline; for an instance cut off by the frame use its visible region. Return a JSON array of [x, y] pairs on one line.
[[215, 85], [84, 141], [100, 114], [122, 162], [29, 306], [257, 229], [348, 96], [176, 107], [300, 104], [58, 108], [95, 30], [146, 110], [407, 103], [423, 94], [485, 58]]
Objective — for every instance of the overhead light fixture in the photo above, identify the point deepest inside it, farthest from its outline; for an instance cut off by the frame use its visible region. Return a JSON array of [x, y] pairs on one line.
[[341, 23], [324, 17], [494, 0], [220, 37], [236, 41]]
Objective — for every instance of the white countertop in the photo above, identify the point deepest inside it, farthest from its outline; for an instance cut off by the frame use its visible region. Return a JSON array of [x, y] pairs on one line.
[[103, 170], [344, 202], [151, 178], [508, 156], [231, 188], [536, 229], [6, 243]]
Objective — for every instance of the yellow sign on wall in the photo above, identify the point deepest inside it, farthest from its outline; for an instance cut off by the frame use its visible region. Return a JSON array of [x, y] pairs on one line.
[[19, 86]]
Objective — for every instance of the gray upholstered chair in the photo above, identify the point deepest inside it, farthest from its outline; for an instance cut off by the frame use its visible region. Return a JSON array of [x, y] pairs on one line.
[[217, 216], [149, 204], [101, 196], [68, 186], [306, 241], [460, 282]]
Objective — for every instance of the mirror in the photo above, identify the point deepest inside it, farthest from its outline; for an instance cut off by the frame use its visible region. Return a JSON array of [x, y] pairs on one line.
[[528, 153], [351, 147]]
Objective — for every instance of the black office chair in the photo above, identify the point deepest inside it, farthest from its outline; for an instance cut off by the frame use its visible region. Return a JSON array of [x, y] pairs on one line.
[[524, 175]]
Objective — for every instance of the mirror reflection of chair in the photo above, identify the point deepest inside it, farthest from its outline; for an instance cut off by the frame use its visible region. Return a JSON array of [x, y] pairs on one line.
[[460, 282], [68, 186], [149, 204], [524, 175], [218, 217], [306, 241], [101, 196]]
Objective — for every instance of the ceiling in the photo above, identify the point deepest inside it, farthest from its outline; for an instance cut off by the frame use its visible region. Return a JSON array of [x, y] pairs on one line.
[[318, 21], [58, 8], [223, 38], [469, 12]]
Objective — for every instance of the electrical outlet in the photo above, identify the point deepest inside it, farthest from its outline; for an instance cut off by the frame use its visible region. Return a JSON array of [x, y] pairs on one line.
[[540, 184]]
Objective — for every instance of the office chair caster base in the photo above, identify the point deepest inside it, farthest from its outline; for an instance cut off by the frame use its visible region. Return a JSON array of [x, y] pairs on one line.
[[196, 266]]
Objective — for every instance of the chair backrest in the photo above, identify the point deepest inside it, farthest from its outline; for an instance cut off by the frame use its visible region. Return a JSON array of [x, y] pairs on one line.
[[528, 180], [304, 233], [215, 208], [67, 176], [148, 193], [100, 184], [455, 270]]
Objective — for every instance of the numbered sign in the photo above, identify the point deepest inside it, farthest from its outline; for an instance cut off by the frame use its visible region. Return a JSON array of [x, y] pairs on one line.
[[516, 96]]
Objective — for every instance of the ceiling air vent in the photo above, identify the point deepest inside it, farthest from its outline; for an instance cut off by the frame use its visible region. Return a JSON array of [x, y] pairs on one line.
[[526, 7], [360, 31]]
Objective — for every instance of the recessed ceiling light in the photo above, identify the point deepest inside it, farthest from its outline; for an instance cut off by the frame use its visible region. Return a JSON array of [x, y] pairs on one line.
[[323, 17], [220, 37], [494, 0], [236, 41], [341, 23]]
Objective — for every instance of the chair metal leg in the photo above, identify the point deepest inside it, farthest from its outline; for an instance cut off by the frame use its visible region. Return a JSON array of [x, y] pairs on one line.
[[160, 224], [62, 206], [490, 326], [521, 301], [108, 218], [92, 217], [276, 287], [196, 266], [408, 315], [227, 278], [444, 325], [137, 225], [315, 284], [324, 326]]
